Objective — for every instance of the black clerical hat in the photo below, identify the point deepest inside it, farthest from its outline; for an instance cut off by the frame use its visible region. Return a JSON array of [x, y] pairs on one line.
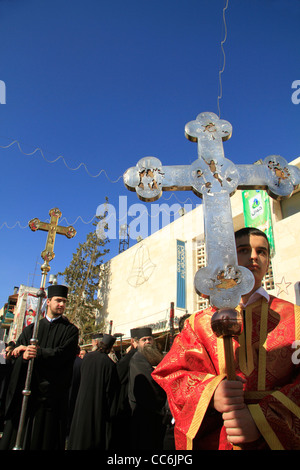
[[108, 340], [97, 335], [57, 291], [140, 332]]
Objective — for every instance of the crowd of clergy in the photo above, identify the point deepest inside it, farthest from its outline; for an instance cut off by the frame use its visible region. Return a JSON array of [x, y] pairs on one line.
[[80, 399], [149, 401]]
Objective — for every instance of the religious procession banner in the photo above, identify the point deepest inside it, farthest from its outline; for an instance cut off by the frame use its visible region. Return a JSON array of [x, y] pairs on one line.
[[181, 275], [257, 213], [2, 352], [31, 309]]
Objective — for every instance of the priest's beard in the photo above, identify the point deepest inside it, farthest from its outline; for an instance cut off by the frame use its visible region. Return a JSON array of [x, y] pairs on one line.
[[152, 354]]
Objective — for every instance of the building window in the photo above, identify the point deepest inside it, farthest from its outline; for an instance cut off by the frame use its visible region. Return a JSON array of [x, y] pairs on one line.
[[268, 281], [200, 303]]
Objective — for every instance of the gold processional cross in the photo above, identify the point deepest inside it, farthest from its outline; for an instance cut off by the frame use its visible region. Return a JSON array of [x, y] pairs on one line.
[[52, 228]]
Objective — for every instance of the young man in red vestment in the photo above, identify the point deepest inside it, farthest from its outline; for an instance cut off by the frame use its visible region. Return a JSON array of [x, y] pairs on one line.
[[261, 409]]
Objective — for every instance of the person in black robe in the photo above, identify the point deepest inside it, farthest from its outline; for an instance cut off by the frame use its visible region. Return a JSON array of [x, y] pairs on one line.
[[73, 392], [93, 423], [123, 418], [5, 371], [47, 409], [147, 399]]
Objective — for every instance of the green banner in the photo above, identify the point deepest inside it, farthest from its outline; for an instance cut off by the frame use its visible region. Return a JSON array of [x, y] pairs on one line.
[[181, 275], [257, 213]]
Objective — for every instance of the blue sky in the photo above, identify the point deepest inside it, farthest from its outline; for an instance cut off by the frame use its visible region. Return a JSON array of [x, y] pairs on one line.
[[106, 83]]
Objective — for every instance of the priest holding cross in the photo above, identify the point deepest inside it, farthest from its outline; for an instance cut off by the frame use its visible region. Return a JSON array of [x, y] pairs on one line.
[[229, 376], [38, 391]]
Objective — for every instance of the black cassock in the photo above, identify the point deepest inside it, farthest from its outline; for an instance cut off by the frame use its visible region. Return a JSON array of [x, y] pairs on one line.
[[147, 400], [47, 409], [123, 439], [93, 421]]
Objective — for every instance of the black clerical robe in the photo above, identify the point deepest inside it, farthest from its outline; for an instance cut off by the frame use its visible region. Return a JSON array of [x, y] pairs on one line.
[[147, 400], [123, 419], [92, 426], [47, 410]]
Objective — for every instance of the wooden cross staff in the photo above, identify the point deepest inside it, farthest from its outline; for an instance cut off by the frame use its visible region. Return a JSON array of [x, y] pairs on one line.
[[214, 178]]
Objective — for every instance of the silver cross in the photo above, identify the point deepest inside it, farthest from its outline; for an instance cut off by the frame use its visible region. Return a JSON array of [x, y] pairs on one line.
[[214, 178]]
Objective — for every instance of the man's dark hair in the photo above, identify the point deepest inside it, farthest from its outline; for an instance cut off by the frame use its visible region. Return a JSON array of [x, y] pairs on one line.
[[251, 231]]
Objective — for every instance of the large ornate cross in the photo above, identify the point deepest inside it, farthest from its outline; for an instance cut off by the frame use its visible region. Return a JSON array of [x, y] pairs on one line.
[[52, 228], [214, 178]]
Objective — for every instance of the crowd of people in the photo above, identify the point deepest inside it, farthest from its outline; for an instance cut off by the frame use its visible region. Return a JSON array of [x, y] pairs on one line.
[[81, 400]]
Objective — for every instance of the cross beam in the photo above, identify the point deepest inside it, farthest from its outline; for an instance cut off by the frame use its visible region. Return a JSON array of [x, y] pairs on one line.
[[215, 179]]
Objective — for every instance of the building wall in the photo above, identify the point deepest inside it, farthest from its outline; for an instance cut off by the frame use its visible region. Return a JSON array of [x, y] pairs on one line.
[[286, 262], [142, 280]]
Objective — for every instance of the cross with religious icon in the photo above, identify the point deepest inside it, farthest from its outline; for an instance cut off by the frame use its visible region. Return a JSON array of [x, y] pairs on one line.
[[214, 178]]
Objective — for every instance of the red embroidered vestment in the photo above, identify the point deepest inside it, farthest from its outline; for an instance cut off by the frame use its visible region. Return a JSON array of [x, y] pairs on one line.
[[265, 356]]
